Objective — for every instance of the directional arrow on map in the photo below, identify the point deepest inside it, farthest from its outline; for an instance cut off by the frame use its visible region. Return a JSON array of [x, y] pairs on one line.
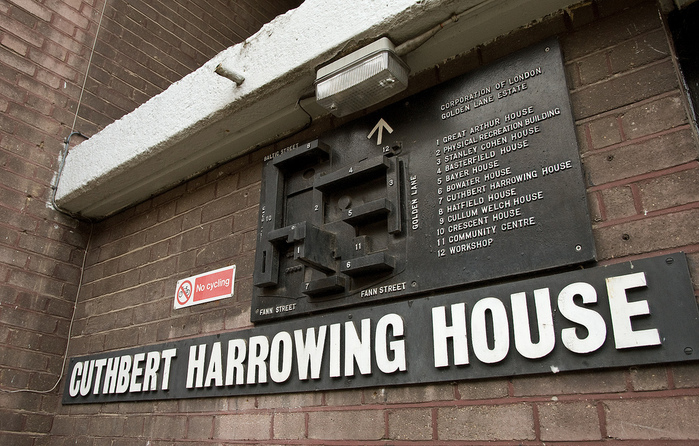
[[380, 126]]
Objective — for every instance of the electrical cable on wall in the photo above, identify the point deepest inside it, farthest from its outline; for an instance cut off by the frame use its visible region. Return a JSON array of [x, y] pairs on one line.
[[412, 44], [64, 153], [70, 328], [54, 187], [61, 164], [89, 63]]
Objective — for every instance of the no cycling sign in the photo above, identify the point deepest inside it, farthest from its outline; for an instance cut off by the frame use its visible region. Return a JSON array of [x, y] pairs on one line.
[[206, 287]]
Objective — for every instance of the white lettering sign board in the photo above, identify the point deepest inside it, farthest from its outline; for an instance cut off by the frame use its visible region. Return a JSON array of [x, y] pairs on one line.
[[640, 312]]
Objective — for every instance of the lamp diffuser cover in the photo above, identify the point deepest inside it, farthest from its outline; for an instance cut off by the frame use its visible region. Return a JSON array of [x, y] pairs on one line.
[[361, 79]]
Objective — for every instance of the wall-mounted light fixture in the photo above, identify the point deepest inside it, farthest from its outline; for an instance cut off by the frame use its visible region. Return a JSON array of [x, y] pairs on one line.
[[361, 79]]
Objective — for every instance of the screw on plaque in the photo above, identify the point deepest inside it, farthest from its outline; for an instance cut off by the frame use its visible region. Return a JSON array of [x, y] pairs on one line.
[[393, 149], [578, 248], [688, 350], [669, 260]]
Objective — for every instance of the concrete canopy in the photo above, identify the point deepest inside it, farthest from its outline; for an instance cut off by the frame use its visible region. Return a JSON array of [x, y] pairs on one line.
[[205, 119]]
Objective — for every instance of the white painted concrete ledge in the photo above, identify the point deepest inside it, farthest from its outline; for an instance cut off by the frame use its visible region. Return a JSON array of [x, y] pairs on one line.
[[205, 119]]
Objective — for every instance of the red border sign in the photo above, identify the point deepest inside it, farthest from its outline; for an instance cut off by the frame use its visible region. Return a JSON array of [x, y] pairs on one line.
[[206, 287]]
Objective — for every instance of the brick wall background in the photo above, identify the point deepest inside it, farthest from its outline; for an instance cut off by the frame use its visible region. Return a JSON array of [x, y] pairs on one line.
[[144, 46], [41, 251], [45, 47], [640, 160]]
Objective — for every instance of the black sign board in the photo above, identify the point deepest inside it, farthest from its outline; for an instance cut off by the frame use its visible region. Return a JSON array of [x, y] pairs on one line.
[[475, 179], [640, 312]]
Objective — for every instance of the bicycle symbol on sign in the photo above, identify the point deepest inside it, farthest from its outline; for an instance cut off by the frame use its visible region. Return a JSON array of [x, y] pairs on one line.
[[184, 292]]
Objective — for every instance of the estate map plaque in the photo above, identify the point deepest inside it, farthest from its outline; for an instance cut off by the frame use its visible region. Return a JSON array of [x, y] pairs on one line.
[[476, 179]]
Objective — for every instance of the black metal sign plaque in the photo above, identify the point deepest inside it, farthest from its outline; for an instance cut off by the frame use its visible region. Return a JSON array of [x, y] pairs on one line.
[[640, 312], [475, 179]]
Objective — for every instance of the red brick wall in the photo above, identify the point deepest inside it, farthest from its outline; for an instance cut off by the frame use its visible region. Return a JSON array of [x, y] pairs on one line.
[[44, 51], [146, 45], [41, 251], [640, 161]]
